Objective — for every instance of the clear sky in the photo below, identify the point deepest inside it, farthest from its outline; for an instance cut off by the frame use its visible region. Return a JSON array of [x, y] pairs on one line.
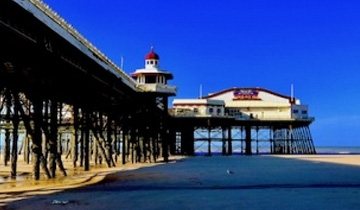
[[313, 44]]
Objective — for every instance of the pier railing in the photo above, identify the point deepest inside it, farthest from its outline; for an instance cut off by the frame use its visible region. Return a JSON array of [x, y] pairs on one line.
[[71, 30]]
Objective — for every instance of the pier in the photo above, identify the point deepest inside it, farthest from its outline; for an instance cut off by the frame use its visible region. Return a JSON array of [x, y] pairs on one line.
[[61, 97], [59, 91], [227, 136], [242, 121]]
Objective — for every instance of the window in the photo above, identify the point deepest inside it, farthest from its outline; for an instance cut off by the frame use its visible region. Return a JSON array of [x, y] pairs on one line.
[[151, 62], [295, 111], [218, 111], [156, 62], [196, 110], [304, 112], [211, 110], [147, 62], [150, 79]]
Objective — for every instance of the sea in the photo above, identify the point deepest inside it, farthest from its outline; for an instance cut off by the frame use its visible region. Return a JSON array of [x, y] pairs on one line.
[[337, 149], [320, 150], [201, 148]]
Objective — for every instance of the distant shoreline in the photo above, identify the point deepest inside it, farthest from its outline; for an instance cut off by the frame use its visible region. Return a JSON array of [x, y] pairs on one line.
[[320, 150]]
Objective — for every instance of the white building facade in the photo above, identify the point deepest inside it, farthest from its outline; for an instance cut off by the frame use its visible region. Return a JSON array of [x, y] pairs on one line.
[[199, 107], [243, 104]]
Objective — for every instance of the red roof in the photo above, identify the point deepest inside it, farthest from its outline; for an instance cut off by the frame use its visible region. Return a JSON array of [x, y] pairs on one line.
[[152, 55]]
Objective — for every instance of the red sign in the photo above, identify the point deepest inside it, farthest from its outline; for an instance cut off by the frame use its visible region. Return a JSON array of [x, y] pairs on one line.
[[246, 95]]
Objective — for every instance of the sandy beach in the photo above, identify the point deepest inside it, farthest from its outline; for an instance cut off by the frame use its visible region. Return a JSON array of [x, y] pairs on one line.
[[234, 182]]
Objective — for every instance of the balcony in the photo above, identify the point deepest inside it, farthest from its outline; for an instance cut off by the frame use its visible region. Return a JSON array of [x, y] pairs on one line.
[[158, 88]]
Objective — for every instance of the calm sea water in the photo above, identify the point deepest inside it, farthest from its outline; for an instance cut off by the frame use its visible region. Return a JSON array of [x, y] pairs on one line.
[[338, 149], [216, 147], [321, 150]]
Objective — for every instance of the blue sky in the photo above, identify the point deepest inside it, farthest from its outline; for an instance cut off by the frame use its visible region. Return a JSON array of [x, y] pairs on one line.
[[313, 44]]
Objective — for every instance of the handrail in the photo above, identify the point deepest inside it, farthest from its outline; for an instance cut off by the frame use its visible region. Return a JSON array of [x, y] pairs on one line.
[[61, 22]]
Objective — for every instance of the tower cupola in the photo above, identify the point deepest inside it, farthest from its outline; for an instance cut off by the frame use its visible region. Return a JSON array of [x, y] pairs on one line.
[[152, 59], [151, 77]]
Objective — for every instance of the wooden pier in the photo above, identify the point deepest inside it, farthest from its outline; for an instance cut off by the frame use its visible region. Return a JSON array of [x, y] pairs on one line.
[[60, 97], [228, 136]]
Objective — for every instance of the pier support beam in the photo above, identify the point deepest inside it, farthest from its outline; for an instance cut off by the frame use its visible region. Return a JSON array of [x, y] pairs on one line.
[[248, 140], [165, 136], [209, 139], [230, 149], [187, 141], [14, 151], [76, 136], [125, 144], [224, 142], [87, 141], [37, 138], [53, 137], [8, 126]]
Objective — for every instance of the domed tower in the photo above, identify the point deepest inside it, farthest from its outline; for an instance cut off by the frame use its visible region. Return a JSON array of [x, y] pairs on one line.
[[151, 78], [154, 82], [152, 59]]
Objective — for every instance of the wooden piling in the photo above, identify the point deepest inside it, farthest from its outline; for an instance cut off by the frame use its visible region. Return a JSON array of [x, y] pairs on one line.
[[248, 140], [209, 141], [14, 152], [76, 135], [7, 128], [53, 137], [116, 142], [125, 142], [37, 138], [164, 138], [108, 142], [82, 120], [224, 142], [86, 141], [230, 150]]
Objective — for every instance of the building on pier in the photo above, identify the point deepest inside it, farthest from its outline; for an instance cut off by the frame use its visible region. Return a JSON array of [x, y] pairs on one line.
[[243, 104], [242, 120]]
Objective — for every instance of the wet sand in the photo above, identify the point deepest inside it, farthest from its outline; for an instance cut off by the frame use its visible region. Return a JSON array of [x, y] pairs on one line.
[[257, 182]]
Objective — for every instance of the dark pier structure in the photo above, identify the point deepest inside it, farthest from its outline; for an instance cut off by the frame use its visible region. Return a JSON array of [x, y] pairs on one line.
[[60, 97], [228, 136]]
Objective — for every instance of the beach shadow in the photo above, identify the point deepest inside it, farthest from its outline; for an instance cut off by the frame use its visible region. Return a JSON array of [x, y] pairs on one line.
[[210, 174]]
